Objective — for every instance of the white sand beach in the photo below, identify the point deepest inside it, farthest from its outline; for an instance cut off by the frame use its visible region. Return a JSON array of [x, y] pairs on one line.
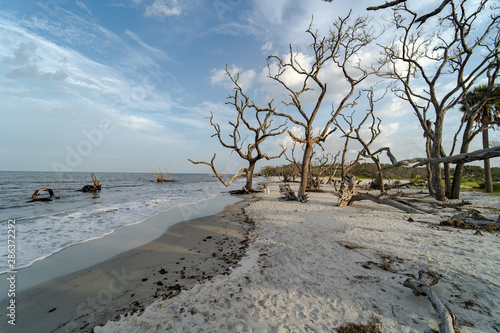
[[316, 267]]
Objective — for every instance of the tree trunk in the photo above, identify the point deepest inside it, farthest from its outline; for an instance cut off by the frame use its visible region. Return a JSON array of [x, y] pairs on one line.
[[380, 175], [447, 179], [304, 175], [250, 169], [488, 181], [436, 153], [457, 181], [428, 166], [459, 167]]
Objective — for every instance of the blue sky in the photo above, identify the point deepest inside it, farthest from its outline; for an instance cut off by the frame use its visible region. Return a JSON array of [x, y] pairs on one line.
[[125, 85]]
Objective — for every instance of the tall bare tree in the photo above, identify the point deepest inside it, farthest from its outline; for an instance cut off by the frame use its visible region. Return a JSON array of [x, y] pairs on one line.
[[436, 67], [260, 129], [366, 142], [347, 39]]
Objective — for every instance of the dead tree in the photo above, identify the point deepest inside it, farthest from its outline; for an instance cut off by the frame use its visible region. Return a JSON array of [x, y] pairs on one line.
[[51, 197], [477, 155], [419, 20], [355, 134], [324, 163], [436, 68], [332, 170], [160, 176], [297, 166], [96, 185], [348, 37], [260, 129]]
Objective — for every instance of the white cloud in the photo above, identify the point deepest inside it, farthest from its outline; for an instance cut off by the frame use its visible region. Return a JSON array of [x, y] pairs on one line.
[[267, 46], [163, 8], [395, 108], [245, 78], [137, 123]]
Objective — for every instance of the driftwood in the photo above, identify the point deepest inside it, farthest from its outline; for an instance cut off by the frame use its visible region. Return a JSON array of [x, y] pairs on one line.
[[347, 191], [160, 176], [459, 221], [37, 192], [421, 287], [289, 194], [383, 199], [456, 205], [96, 185]]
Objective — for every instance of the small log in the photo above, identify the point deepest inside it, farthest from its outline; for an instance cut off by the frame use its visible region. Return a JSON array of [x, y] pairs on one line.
[[37, 192], [421, 287]]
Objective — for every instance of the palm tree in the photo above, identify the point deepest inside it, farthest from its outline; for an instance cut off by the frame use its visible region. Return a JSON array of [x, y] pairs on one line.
[[487, 113]]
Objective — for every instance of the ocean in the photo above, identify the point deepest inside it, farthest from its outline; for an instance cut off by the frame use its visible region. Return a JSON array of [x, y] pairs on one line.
[[44, 228]]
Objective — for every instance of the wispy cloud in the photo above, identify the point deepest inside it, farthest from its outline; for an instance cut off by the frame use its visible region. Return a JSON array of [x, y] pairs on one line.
[[163, 8], [83, 6], [149, 48]]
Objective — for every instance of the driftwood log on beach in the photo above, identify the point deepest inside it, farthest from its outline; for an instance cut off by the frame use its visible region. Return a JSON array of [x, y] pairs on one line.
[[37, 192], [388, 200], [289, 194], [421, 287], [347, 191]]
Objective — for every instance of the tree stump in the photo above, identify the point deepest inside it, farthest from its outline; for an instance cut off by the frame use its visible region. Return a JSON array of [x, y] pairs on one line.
[[347, 190]]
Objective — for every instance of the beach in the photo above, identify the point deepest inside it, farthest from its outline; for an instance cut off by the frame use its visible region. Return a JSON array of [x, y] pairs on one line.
[[90, 283], [255, 263], [316, 267]]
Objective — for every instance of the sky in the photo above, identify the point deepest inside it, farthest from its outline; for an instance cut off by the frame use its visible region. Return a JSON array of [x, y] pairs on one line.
[[127, 85]]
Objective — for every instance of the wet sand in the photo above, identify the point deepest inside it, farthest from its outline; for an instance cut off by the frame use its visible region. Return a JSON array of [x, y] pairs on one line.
[[188, 252]]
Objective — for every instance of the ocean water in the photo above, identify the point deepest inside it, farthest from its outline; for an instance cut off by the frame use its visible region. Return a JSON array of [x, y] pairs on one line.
[[44, 228]]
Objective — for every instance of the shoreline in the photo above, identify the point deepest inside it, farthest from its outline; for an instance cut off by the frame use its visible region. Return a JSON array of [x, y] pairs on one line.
[[92, 282], [98, 249]]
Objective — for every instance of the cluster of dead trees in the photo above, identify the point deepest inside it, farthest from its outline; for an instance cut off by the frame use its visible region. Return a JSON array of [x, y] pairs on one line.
[[432, 71]]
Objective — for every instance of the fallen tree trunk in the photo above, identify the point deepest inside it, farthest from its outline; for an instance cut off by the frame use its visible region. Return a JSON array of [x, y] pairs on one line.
[[456, 205], [385, 200], [477, 155], [421, 287]]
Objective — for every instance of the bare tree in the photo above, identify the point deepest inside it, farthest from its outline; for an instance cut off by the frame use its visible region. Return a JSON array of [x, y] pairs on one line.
[[446, 62], [325, 163], [347, 131], [296, 165], [260, 129], [351, 132], [342, 48], [375, 131]]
